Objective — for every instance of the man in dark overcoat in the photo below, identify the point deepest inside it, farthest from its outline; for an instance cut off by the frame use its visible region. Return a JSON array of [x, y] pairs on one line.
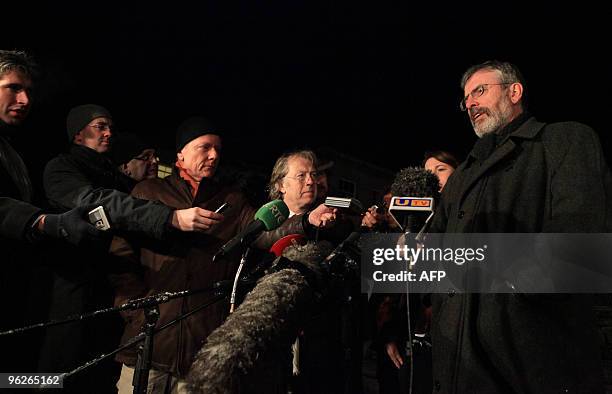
[[23, 224], [522, 176]]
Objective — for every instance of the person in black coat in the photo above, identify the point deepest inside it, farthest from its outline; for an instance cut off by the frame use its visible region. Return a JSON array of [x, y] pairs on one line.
[[22, 224], [87, 175], [522, 176]]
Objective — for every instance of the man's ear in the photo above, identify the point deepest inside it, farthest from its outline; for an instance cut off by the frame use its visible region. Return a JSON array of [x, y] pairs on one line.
[[77, 139], [180, 156], [516, 92]]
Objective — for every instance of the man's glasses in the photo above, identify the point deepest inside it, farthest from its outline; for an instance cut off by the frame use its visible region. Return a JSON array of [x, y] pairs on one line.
[[101, 126], [301, 177], [479, 91], [147, 157]]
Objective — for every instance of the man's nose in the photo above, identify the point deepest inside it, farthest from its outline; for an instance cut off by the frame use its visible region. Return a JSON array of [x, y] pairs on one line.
[[470, 102], [23, 97], [310, 179], [213, 153]]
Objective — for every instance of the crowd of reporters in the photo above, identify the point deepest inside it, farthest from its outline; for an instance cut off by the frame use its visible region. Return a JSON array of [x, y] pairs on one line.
[[165, 232], [162, 237]]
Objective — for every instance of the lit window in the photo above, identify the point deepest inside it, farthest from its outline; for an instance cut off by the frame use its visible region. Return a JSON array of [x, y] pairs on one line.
[[163, 170]]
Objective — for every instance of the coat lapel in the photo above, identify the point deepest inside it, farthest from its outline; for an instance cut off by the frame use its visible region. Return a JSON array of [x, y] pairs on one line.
[[528, 130]]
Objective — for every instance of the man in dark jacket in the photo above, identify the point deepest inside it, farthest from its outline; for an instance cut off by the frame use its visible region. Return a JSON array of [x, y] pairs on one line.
[[21, 223], [19, 219], [85, 175], [326, 354], [522, 176], [182, 261]]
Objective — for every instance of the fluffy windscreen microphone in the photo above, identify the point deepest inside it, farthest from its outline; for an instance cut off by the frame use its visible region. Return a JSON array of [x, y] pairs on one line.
[[249, 351], [415, 190], [416, 182]]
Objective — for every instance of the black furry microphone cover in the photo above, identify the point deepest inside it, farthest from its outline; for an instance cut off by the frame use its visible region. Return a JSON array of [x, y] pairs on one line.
[[249, 352], [415, 182]]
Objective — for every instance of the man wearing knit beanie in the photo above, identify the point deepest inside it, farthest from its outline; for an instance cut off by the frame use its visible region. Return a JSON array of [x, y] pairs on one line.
[[85, 175], [90, 125], [193, 128], [186, 265], [198, 147]]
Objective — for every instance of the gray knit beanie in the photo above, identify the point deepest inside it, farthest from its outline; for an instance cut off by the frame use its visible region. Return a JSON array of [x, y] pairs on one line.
[[81, 115]]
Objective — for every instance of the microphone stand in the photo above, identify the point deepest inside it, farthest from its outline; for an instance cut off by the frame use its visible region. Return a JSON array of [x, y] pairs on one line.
[[140, 337], [237, 277], [409, 348], [417, 241], [150, 304], [145, 353], [139, 303]]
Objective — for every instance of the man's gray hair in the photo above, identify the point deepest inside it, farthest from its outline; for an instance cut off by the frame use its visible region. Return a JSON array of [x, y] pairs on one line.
[[281, 168], [508, 73], [18, 61]]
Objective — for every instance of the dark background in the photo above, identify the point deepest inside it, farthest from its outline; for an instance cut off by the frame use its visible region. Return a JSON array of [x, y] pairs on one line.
[[379, 81]]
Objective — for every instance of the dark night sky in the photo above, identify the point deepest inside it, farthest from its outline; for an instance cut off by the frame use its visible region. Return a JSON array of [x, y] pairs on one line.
[[377, 81]]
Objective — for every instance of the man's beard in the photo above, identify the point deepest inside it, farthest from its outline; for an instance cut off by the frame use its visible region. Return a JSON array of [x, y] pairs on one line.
[[495, 120]]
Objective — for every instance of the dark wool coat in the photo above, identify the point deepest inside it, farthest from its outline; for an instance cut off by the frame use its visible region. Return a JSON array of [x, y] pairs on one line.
[[16, 214], [17, 257], [79, 275], [538, 178], [84, 176]]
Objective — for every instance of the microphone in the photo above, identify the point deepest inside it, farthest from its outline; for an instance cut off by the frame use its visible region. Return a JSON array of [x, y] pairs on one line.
[[415, 192], [350, 205], [352, 238], [286, 241], [267, 218], [343, 260], [245, 350]]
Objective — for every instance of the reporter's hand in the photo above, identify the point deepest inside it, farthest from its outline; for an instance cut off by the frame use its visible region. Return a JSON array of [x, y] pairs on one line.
[[195, 219], [323, 216], [371, 218], [394, 354], [74, 227]]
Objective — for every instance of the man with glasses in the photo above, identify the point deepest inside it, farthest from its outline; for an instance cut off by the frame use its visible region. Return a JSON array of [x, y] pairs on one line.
[[522, 176], [134, 158], [143, 166], [86, 175], [319, 363], [294, 180]]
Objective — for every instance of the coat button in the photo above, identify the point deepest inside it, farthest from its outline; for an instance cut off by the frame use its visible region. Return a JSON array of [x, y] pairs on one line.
[[437, 385], [460, 214]]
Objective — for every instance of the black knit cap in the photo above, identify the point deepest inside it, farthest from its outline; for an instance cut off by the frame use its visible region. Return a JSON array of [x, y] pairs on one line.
[[191, 129], [126, 146], [81, 115]]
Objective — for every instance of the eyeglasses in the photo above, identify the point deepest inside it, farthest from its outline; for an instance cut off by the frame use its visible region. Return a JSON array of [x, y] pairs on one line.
[[101, 126], [301, 177], [147, 157], [479, 91]]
